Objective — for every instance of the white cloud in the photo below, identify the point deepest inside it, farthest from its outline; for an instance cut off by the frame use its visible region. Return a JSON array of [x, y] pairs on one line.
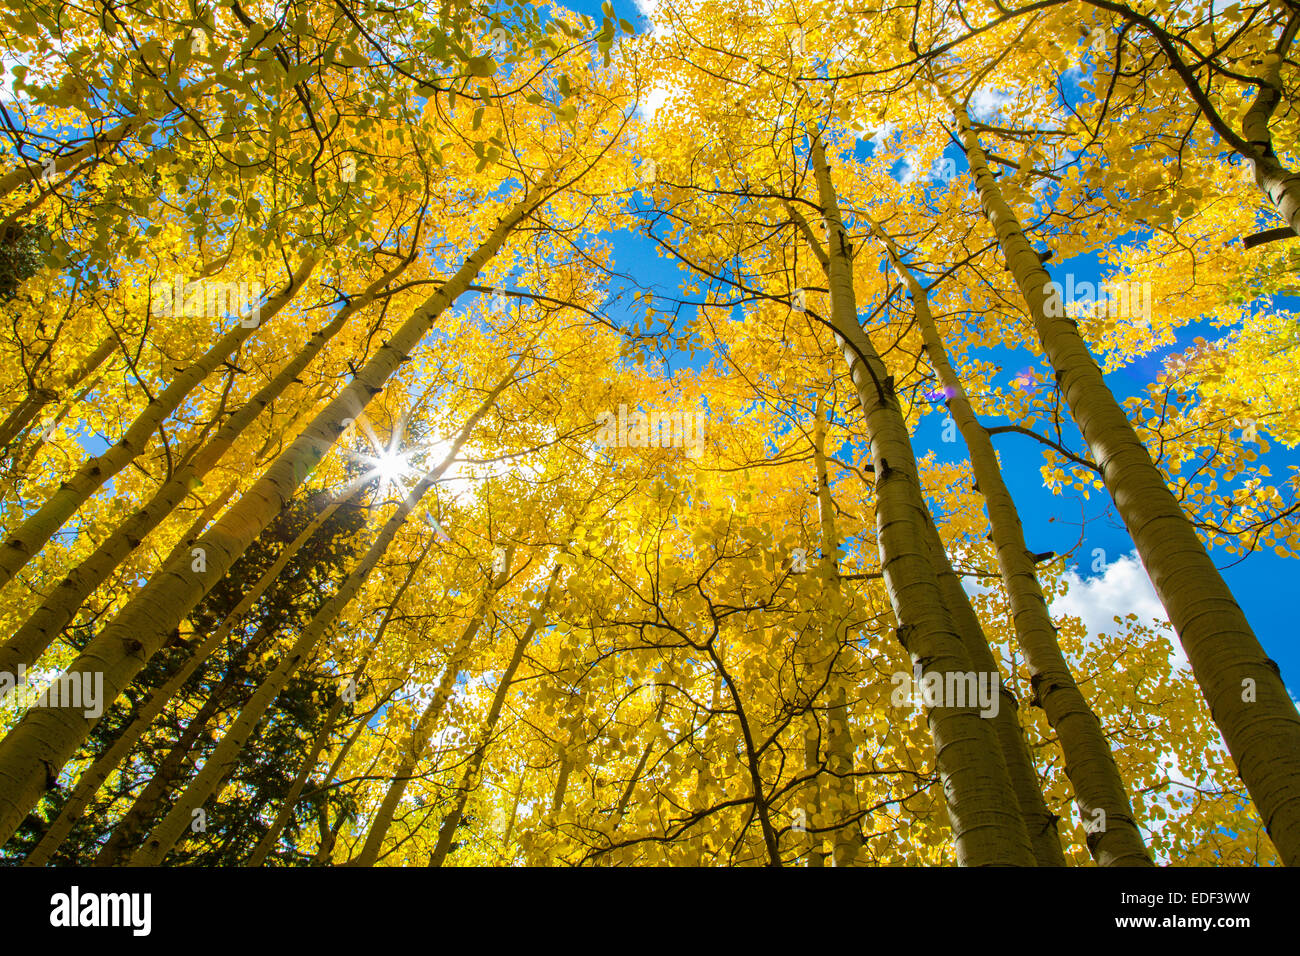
[[910, 172], [649, 104], [1122, 588], [650, 10], [986, 104], [876, 135], [7, 65]]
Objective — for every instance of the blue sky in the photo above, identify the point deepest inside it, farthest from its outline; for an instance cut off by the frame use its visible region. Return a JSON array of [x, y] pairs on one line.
[[1052, 522], [1056, 522]]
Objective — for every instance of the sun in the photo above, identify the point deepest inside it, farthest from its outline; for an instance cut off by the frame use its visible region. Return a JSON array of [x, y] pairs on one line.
[[390, 468], [395, 467], [385, 463]]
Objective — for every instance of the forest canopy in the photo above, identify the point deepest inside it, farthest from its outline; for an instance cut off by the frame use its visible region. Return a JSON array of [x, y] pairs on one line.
[[699, 434]]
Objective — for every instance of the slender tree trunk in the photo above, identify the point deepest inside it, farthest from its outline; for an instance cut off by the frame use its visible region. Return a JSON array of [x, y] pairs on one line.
[[204, 518], [181, 547], [326, 848], [24, 463], [428, 722], [272, 835], [204, 784], [91, 780], [561, 785], [814, 658], [1279, 184], [842, 790], [562, 780], [761, 806], [41, 628], [1088, 760], [31, 406], [639, 769], [1040, 821], [27, 541], [1243, 687], [23, 414], [47, 737], [469, 779], [514, 815], [703, 775], [812, 797], [129, 830], [146, 806], [987, 826], [290, 802]]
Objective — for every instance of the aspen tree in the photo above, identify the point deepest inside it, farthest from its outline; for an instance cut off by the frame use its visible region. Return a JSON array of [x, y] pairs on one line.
[[94, 777], [986, 823], [757, 793], [1247, 698], [696, 845], [565, 770], [1040, 822], [561, 785], [812, 650], [204, 784], [145, 807], [846, 840], [429, 717], [514, 814], [272, 835], [47, 737], [687, 584], [470, 777], [99, 144], [30, 537], [45, 623], [1088, 760], [811, 801], [1279, 184], [326, 846], [621, 810], [40, 438]]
